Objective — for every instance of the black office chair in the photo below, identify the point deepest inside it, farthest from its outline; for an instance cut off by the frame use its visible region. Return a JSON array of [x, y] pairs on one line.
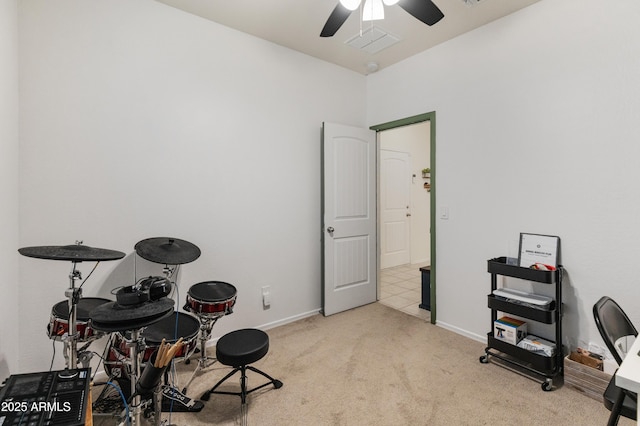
[[613, 325]]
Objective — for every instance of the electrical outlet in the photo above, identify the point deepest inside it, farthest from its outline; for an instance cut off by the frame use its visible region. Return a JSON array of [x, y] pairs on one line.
[[266, 297]]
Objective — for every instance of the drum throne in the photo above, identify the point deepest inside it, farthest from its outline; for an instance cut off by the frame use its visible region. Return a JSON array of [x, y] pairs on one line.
[[239, 349]]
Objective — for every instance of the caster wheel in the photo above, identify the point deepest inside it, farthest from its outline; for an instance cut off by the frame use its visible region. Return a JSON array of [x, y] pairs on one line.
[[484, 359], [547, 386]]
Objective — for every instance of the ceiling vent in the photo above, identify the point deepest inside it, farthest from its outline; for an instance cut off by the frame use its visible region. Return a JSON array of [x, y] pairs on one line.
[[372, 40]]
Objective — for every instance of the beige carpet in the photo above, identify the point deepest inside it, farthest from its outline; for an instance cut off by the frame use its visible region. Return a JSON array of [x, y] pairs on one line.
[[377, 366]]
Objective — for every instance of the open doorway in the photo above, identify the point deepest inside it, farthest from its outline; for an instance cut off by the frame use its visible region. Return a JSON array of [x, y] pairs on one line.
[[405, 212]]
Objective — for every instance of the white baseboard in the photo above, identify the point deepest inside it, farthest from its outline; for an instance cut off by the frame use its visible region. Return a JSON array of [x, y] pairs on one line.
[[477, 337], [288, 320]]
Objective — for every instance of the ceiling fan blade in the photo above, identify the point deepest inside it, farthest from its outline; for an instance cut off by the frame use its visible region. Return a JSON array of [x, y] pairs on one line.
[[424, 10], [335, 21]]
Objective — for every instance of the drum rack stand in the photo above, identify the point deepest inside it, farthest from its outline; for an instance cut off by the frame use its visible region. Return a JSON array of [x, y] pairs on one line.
[[204, 361], [73, 355], [71, 342]]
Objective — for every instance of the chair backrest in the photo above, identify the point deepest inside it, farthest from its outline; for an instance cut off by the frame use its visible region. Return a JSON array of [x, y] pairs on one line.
[[613, 324]]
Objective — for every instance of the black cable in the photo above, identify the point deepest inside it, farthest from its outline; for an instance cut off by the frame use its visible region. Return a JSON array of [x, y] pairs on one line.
[[104, 356], [90, 273], [124, 400], [53, 357]]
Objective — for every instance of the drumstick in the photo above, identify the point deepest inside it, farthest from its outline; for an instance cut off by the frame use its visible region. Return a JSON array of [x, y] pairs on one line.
[[165, 349], [165, 346], [165, 353], [159, 355], [174, 350], [171, 352]]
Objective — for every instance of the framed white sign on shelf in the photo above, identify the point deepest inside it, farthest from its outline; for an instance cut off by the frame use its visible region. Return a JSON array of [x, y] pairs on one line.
[[538, 251]]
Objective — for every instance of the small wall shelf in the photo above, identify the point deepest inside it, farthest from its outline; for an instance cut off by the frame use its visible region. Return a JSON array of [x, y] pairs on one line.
[[426, 174]]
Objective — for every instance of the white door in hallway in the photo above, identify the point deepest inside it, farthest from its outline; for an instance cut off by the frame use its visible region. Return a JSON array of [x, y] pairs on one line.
[[348, 217], [395, 211]]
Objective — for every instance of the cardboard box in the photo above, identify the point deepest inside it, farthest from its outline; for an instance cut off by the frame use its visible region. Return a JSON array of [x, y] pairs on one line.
[[509, 330], [584, 379], [585, 357]]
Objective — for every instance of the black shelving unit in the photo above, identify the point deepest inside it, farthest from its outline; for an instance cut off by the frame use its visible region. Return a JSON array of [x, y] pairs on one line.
[[546, 367]]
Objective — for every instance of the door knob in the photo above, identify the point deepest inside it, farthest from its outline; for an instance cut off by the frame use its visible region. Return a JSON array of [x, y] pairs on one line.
[[330, 229]]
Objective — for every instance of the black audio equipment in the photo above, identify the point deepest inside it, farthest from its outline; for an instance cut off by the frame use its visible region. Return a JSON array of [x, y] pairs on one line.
[[49, 398]]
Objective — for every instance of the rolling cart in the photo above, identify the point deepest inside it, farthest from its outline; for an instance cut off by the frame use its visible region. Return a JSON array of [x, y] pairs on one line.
[[512, 356]]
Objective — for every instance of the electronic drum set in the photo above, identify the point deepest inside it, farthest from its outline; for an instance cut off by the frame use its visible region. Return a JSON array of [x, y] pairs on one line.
[[142, 322]]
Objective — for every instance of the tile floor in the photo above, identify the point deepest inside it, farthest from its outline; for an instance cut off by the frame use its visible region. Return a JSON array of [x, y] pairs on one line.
[[401, 289]]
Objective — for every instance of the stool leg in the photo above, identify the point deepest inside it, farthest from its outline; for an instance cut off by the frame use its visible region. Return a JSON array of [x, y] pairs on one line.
[[276, 383], [243, 383], [244, 409], [244, 413], [205, 396]]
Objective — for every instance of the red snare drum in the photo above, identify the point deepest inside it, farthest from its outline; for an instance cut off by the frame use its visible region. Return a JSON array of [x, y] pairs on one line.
[[187, 328], [59, 323], [211, 298]]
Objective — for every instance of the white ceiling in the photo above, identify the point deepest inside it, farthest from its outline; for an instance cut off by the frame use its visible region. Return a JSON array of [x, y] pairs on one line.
[[296, 24]]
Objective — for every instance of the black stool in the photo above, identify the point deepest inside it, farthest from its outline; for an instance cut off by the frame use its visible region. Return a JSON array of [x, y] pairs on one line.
[[238, 349]]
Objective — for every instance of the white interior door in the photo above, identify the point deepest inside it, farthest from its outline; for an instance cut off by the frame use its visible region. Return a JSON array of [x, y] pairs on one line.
[[395, 208], [348, 217]]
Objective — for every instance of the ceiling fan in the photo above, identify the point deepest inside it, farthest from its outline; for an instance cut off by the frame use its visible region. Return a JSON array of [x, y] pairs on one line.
[[423, 10]]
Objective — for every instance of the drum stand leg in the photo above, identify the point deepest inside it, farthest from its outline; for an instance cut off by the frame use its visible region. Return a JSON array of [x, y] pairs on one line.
[[206, 325], [157, 405], [135, 404], [71, 343], [84, 356]]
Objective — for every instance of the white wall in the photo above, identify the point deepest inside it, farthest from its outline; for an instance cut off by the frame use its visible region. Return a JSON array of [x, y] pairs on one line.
[[140, 121], [9, 285], [537, 132]]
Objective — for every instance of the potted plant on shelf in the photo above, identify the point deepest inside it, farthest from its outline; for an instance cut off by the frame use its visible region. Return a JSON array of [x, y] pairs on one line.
[[426, 172]]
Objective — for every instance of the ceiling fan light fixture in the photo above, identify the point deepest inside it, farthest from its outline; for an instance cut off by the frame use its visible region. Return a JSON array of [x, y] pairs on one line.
[[372, 10], [390, 2], [350, 4]]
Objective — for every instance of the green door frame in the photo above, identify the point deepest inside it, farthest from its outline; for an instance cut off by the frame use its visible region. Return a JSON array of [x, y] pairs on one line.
[[429, 116]]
